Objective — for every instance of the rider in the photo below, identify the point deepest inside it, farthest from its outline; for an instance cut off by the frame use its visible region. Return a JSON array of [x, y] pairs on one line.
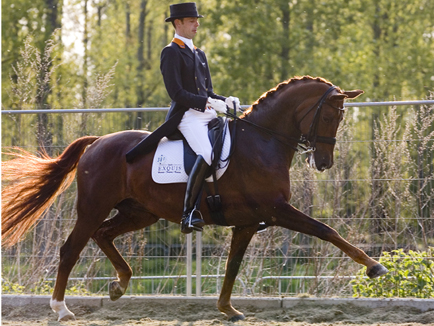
[[188, 82]]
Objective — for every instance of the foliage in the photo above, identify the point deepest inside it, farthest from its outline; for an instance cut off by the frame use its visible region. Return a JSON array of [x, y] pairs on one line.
[[30, 83], [251, 45], [43, 288], [410, 275], [9, 287]]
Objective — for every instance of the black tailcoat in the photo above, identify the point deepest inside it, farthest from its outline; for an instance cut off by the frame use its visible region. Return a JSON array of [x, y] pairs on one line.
[[188, 81]]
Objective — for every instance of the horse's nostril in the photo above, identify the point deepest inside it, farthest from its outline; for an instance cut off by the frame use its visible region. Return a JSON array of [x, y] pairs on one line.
[[322, 167]]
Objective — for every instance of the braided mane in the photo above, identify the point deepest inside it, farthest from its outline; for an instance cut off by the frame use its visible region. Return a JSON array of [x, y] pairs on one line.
[[282, 85]]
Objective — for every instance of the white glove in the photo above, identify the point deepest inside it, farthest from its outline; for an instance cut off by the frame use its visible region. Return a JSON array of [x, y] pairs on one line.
[[230, 102], [217, 105]]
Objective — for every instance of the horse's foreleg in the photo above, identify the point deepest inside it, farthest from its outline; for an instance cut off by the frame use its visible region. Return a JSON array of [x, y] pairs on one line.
[[240, 240], [104, 236], [289, 217]]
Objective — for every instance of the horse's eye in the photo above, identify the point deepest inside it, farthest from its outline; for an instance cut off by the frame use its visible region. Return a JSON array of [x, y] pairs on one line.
[[327, 119]]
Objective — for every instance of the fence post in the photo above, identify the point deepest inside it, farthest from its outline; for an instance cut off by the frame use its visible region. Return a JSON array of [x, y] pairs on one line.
[[198, 263], [189, 262]]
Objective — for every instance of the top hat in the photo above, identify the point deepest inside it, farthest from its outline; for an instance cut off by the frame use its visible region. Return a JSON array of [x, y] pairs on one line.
[[183, 10]]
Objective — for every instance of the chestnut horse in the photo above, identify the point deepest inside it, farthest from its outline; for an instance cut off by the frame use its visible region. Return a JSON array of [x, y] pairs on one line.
[[255, 188]]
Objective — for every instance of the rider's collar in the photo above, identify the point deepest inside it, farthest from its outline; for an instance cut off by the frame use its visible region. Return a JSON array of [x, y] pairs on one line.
[[184, 41]]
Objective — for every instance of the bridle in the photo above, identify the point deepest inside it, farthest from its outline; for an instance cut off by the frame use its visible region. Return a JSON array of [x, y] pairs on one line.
[[307, 142], [310, 139]]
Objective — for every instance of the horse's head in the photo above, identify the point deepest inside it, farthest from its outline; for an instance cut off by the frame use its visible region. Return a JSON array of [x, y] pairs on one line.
[[318, 120], [315, 108]]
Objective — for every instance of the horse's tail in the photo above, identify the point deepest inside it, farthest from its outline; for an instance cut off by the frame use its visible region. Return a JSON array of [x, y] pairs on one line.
[[32, 183]]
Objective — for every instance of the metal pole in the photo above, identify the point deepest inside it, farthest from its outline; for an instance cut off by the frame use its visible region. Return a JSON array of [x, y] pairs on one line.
[[189, 262], [154, 109], [198, 263]]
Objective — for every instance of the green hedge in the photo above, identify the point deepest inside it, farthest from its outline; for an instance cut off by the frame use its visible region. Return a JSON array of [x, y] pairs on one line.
[[410, 275]]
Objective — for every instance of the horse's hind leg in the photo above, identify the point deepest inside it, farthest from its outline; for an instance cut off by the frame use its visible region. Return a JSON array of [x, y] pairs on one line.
[[289, 217], [126, 220], [69, 253]]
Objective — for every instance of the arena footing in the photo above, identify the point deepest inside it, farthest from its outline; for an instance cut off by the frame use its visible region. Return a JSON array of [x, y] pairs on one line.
[[258, 302]]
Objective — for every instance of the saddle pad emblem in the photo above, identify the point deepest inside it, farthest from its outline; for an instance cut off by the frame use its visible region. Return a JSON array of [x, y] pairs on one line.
[[168, 163], [165, 167]]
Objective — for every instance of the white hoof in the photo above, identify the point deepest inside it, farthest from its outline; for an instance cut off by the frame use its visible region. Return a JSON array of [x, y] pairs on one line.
[[62, 310]]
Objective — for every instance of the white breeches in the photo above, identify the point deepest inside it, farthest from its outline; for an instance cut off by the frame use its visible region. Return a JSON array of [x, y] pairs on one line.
[[194, 127]]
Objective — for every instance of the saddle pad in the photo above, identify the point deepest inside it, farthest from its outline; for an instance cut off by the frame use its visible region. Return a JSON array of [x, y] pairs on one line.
[[168, 164]]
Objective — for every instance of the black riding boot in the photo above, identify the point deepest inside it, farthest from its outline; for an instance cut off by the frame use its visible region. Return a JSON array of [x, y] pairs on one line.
[[192, 218]]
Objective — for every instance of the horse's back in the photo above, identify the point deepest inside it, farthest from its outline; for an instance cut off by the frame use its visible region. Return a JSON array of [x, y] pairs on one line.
[[115, 144]]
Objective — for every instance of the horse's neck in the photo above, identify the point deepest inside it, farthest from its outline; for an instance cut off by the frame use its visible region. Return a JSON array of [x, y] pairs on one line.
[[276, 113], [255, 140]]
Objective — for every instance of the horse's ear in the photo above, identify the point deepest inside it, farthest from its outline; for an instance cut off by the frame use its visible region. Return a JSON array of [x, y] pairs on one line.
[[353, 94], [338, 97]]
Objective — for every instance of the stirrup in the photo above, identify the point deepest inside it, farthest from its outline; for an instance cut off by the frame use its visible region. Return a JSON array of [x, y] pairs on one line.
[[189, 223], [262, 227]]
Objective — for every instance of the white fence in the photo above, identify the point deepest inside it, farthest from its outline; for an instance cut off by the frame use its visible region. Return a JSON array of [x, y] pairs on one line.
[[156, 109]]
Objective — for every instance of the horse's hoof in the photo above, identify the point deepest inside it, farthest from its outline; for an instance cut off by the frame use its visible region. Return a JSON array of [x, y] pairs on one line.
[[63, 311], [67, 317], [377, 271], [236, 318], [115, 291]]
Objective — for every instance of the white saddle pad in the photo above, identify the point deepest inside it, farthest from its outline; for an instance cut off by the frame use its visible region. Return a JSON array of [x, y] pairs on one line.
[[168, 164]]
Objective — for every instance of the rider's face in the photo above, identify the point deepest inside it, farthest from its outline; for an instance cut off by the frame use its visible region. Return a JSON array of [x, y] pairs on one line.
[[187, 27]]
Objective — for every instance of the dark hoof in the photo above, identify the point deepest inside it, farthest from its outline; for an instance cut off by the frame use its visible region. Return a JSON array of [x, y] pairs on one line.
[[237, 318], [377, 271], [115, 291]]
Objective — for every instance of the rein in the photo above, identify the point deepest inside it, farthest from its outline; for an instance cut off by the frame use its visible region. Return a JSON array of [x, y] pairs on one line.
[[269, 131], [306, 143]]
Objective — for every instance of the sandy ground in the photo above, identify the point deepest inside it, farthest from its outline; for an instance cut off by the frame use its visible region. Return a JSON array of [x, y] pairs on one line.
[[193, 315]]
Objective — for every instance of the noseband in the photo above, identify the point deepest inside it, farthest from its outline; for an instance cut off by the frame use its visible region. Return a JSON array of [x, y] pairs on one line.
[[307, 143]]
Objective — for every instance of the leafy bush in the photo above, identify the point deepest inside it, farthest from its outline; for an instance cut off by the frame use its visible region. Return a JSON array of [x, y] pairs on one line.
[[410, 275], [44, 288], [11, 288]]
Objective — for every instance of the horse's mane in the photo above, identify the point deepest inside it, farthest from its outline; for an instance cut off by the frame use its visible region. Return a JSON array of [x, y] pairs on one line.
[[284, 84]]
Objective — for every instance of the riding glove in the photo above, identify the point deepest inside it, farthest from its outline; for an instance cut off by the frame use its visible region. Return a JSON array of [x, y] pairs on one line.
[[230, 102], [217, 105]]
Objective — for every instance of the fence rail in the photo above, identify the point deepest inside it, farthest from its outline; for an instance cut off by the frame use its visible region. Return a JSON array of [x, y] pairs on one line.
[[156, 109]]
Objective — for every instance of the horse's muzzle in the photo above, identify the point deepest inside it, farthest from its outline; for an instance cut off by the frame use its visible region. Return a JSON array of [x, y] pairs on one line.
[[319, 162]]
